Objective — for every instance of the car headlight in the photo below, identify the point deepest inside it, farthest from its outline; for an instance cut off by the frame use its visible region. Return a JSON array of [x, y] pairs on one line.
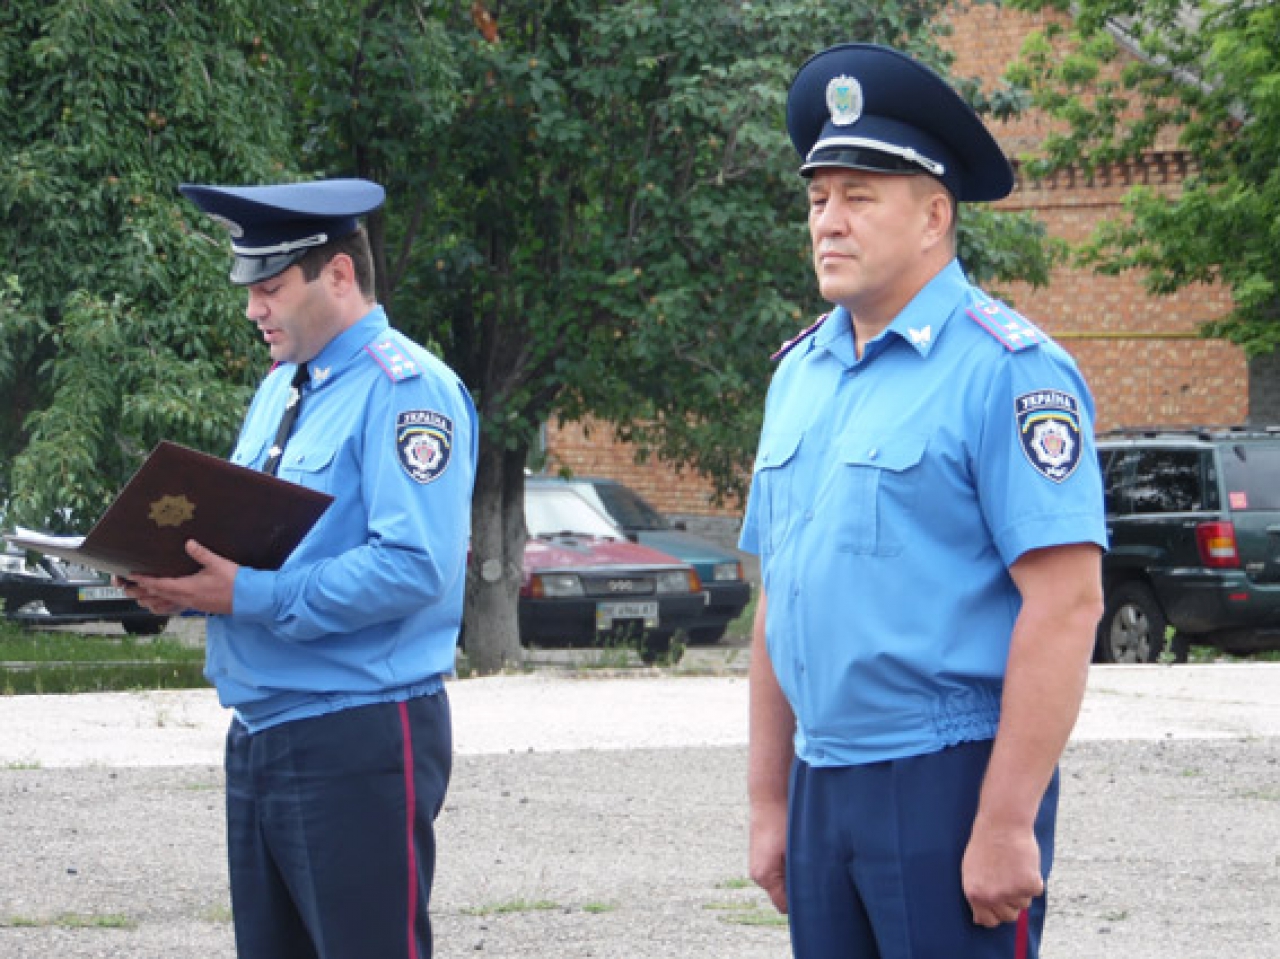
[[727, 571], [555, 586], [678, 581]]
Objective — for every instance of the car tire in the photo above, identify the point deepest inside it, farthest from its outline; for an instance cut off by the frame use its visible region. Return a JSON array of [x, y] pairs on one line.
[[706, 635], [145, 627], [1132, 627]]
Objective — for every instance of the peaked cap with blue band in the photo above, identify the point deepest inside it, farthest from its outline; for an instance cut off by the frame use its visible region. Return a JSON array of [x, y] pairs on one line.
[[868, 107], [273, 227]]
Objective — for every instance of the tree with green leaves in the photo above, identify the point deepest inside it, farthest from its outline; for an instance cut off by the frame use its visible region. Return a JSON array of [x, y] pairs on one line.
[[616, 228], [592, 210], [119, 328], [1125, 78]]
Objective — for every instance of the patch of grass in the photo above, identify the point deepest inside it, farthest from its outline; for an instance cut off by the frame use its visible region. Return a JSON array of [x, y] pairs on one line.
[[70, 920], [512, 906], [38, 661], [596, 908], [758, 917], [219, 915], [748, 914], [753, 911], [746, 619], [18, 645], [1263, 795], [99, 678], [1211, 654]]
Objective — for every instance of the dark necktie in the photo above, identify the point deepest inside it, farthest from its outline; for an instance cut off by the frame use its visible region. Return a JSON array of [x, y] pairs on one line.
[[291, 406]]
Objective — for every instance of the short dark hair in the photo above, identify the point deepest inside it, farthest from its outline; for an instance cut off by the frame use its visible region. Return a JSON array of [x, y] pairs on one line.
[[354, 245]]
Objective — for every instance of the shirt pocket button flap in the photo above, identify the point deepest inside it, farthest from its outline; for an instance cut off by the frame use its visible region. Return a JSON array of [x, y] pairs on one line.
[[777, 449], [894, 453], [250, 455], [307, 459]]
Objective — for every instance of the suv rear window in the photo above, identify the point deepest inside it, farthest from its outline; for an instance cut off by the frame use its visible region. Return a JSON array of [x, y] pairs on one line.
[[1252, 473], [1160, 481]]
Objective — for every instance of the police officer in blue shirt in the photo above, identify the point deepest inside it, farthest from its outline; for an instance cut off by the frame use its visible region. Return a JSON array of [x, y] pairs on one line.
[[927, 509], [339, 752]]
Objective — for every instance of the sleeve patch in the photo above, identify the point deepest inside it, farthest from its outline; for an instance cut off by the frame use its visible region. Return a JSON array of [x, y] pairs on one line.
[[1012, 330], [1049, 431], [424, 444]]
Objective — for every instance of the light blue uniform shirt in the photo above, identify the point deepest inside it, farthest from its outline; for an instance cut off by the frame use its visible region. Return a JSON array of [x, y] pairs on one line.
[[367, 608], [890, 495]]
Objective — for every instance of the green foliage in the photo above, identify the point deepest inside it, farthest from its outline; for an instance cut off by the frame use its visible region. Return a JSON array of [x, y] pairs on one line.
[[617, 228], [127, 331], [593, 209], [43, 662], [1206, 77]]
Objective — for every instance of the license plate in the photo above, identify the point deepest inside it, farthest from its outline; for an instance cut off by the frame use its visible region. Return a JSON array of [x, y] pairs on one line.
[[607, 613], [91, 594]]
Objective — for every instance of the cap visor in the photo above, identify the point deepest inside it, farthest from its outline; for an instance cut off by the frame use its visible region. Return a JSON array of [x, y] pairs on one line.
[[247, 270]]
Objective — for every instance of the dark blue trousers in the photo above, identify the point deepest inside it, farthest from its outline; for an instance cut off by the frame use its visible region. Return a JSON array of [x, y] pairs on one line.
[[874, 854], [330, 831]]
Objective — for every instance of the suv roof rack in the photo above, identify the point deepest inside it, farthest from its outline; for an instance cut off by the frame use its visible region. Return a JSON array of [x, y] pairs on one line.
[[1201, 431]]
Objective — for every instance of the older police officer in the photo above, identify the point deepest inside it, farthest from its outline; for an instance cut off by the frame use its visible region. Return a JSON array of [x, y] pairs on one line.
[[928, 513], [339, 752]]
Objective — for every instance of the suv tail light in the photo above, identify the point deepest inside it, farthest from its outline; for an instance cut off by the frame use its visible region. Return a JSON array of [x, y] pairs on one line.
[[1217, 542]]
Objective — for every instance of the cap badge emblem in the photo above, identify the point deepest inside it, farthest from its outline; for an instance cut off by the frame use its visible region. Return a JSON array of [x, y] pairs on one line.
[[234, 228], [844, 100]]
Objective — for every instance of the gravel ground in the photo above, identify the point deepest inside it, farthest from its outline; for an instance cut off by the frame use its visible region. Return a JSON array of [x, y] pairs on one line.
[[572, 845]]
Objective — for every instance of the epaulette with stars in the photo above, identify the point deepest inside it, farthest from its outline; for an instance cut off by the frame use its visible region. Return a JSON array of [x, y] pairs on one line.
[[395, 361], [799, 338], [1014, 331]]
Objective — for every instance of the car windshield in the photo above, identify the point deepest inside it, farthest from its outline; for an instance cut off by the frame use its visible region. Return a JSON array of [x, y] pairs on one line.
[[1252, 475], [551, 512], [627, 508]]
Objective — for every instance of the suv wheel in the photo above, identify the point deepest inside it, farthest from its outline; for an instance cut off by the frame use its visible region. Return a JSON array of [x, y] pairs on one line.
[[1132, 627]]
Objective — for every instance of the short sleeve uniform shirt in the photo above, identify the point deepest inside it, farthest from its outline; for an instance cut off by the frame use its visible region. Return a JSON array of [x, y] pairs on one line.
[[889, 496]]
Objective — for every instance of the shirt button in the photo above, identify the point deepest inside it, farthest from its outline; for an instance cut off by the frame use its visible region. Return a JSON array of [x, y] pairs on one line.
[[872, 453], [808, 514]]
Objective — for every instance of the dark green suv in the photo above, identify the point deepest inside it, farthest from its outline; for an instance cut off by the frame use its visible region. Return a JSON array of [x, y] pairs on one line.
[[1194, 522]]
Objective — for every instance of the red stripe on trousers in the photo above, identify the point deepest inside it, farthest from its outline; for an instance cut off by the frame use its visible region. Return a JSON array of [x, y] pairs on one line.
[[1023, 933], [412, 850]]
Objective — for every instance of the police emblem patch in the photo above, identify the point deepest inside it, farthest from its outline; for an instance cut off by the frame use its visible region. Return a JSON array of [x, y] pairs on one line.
[[424, 442], [1049, 429], [844, 100]]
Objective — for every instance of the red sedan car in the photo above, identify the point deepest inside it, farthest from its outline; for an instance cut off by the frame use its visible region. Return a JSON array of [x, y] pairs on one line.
[[585, 583]]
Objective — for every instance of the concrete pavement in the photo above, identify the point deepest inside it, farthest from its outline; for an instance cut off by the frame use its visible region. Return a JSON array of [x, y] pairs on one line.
[[559, 710]]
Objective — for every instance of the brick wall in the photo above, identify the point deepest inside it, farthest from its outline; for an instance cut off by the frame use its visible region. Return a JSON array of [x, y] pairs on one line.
[[588, 449], [1140, 354]]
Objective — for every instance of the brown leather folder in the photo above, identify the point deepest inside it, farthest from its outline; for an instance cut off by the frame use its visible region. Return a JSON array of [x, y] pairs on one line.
[[180, 494]]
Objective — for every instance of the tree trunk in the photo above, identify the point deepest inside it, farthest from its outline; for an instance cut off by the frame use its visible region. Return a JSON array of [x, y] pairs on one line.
[[491, 624]]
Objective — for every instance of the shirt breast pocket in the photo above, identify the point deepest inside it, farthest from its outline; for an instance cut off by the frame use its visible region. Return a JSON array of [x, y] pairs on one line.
[[309, 466], [876, 484], [775, 462]]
